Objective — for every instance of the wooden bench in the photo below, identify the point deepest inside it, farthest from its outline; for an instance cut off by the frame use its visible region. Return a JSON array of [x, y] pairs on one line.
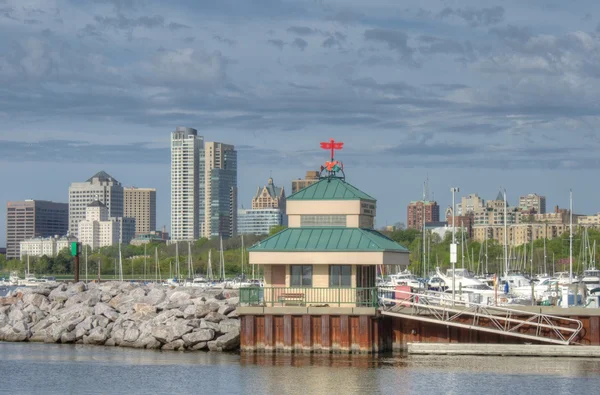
[[292, 298]]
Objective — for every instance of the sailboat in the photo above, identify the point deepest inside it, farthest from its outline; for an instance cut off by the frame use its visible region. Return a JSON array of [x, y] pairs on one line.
[[174, 277]]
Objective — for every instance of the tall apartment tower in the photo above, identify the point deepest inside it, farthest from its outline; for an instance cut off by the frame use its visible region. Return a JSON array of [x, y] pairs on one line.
[[469, 204], [220, 191], [102, 187], [310, 178], [187, 183], [421, 211], [33, 218], [533, 202], [140, 203]]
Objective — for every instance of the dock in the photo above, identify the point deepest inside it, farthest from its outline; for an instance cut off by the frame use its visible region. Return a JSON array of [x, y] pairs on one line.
[[513, 350]]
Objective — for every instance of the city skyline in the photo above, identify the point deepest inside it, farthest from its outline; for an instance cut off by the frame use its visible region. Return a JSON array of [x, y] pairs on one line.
[[477, 94]]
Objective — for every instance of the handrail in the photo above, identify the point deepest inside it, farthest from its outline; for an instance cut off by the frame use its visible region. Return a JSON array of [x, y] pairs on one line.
[[500, 317], [309, 296]]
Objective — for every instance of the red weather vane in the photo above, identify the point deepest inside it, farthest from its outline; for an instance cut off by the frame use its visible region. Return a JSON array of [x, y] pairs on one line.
[[333, 146]]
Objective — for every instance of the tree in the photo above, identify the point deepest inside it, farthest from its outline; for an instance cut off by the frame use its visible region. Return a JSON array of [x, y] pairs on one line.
[[276, 229]]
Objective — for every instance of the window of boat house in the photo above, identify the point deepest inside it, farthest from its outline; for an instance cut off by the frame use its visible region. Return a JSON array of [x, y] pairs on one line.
[[340, 276], [323, 220], [301, 275]]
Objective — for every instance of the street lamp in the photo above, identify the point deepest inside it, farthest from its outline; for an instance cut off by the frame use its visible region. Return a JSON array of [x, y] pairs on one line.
[[453, 245]]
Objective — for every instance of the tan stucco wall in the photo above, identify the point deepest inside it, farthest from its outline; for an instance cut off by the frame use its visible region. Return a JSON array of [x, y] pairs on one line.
[[322, 207], [328, 258]]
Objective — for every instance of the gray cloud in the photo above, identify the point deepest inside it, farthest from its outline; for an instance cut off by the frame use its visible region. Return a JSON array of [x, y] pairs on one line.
[[174, 26], [276, 43], [395, 40], [476, 17], [224, 40], [302, 31], [121, 22], [300, 43]]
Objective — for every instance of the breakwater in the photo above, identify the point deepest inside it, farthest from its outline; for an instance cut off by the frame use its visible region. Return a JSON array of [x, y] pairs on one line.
[[122, 314]]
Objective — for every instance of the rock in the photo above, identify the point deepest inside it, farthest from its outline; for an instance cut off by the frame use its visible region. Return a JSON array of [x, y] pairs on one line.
[[68, 337], [176, 345], [168, 333], [54, 333], [155, 296], [100, 320], [209, 325], [138, 294], [195, 323], [203, 335], [213, 306], [110, 342], [111, 315], [80, 332], [86, 324], [17, 314], [101, 308], [233, 314], [229, 325], [227, 342], [233, 301], [220, 296], [10, 335], [214, 317], [179, 296], [97, 335], [144, 308], [189, 312], [199, 346], [34, 299], [226, 309], [76, 288], [131, 335]]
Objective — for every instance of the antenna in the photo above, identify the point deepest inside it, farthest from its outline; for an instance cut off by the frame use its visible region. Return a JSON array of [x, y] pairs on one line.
[[426, 190]]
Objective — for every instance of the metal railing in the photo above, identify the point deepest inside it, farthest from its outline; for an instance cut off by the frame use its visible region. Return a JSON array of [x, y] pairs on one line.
[[437, 308], [308, 296]]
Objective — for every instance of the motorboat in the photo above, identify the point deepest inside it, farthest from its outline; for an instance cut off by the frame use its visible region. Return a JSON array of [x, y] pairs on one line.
[[435, 283], [197, 282], [591, 278], [467, 284], [403, 278], [14, 278], [563, 278]]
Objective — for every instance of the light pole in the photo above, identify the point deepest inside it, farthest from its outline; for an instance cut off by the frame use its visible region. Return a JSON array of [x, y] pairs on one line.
[[453, 245]]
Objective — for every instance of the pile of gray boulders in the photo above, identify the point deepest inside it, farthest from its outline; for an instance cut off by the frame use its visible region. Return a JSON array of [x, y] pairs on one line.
[[123, 314]]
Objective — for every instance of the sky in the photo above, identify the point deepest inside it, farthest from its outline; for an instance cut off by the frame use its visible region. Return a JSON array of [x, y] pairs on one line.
[[476, 94]]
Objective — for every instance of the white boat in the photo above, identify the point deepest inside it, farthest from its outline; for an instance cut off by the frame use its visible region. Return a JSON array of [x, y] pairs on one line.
[[403, 278], [30, 281], [591, 278], [563, 278], [198, 282], [466, 283], [14, 278]]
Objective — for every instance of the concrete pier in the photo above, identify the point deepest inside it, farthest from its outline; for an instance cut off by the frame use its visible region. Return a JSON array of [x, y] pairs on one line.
[[521, 350]]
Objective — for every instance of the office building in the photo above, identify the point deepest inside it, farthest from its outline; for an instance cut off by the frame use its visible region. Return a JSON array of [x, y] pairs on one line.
[[259, 221], [469, 204], [310, 178], [33, 218], [49, 246], [269, 196], [140, 203], [533, 203], [420, 212], [186, 179], [219, 200], [203, 187], [102, 187], [98, 229]]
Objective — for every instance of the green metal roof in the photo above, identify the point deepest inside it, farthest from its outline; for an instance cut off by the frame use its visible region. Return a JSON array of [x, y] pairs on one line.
[[330, 189], [328, 239]]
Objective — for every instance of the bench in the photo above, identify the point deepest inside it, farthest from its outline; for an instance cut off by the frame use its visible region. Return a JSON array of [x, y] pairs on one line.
[[292, 298]]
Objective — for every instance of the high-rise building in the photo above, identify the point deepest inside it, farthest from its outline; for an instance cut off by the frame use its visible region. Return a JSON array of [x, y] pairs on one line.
[[187, 180], [420, 211], [140, 203], [533, 203], [203, 187], [259, 221], [98, 229], [493, 213], [33, 218], [102, 187], [220, 191], [310, 178]]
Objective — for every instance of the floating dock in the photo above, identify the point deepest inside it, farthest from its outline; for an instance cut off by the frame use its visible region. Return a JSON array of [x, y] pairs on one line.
[[513, 350]]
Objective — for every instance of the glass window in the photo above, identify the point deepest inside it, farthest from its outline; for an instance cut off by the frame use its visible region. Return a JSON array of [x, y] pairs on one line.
[[323, 220], [340, 276], [301, 275]]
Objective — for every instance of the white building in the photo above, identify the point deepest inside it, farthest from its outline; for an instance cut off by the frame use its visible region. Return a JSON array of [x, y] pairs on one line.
[[203, 187], [49, 246], [100, 186], [100, 230], [186, 179], [259, 221]]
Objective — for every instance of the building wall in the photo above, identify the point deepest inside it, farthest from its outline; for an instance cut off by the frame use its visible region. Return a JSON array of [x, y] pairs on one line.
[[259, 221], [328, 258], [519, 234], [140, 203], [33, 218], [533, 202], [469, 204], [49, 246], [359, 213], [108, 192], [310, 178], [419, 211], [186, 150]]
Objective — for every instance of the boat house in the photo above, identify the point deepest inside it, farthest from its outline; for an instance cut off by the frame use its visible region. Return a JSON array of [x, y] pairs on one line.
[[321, 270]]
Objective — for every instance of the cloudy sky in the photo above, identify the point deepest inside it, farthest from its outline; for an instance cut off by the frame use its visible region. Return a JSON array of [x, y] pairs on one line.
[[473, 93]]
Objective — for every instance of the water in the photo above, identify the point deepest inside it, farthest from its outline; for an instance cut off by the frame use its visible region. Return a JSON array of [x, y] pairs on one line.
[[77, 369]]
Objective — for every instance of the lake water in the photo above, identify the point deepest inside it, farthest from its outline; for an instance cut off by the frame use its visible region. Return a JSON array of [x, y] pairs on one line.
[[79, 369]]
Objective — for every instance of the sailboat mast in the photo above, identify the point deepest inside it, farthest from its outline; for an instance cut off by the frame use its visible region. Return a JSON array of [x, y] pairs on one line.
[[570, 237], [505, 238], [545, 269], [243, 257], [86, 261], [145, 261], [155, 264], [121, 263], [462, 244]]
